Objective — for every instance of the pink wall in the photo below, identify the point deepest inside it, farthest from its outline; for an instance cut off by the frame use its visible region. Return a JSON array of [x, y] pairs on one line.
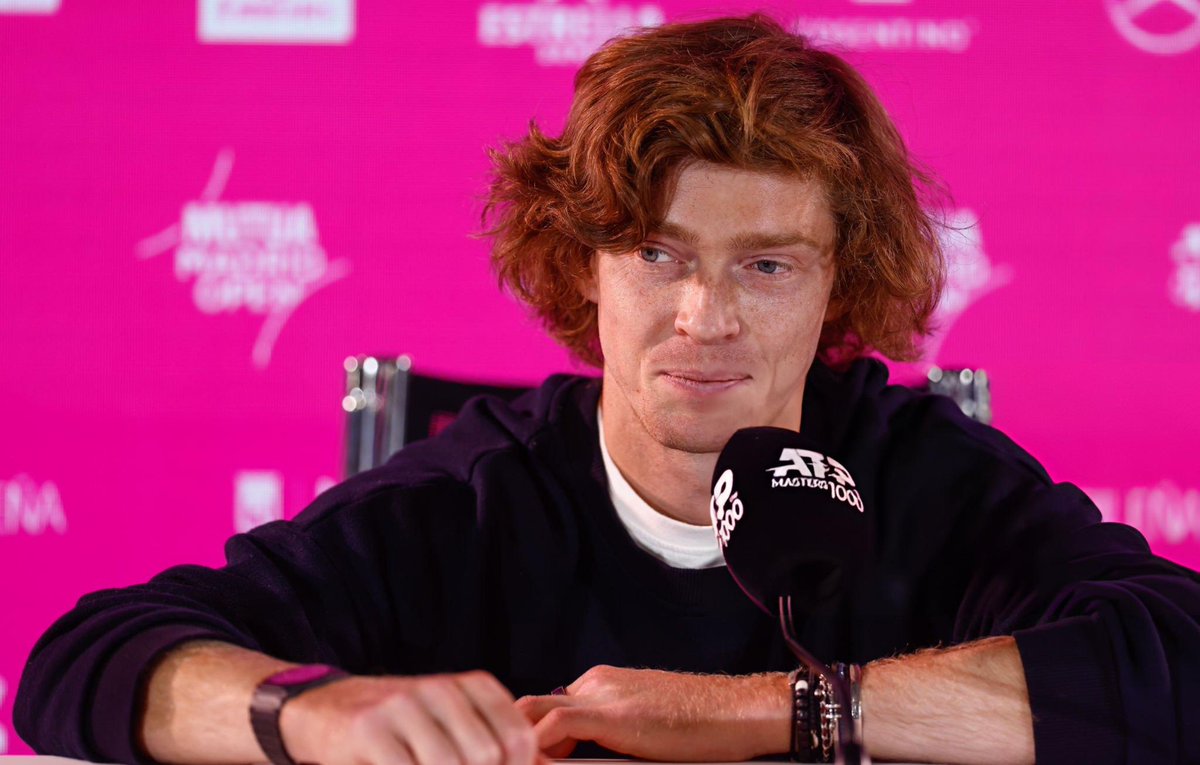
[[206, 204]]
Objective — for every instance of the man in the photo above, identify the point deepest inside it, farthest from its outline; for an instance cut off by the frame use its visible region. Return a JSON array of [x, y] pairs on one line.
[[726, 223]]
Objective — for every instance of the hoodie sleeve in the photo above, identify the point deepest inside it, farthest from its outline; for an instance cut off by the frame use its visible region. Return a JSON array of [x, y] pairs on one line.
[[317, 589], [1109, 633]]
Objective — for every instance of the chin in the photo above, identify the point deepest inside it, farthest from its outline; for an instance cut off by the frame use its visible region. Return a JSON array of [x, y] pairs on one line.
[[690, 432]]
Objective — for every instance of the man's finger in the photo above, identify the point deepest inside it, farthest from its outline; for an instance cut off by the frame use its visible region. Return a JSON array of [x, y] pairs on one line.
[[424, 735], [470, 733], [566, 725], [385, 749], [535, 707], [562, 750], [498, 709]]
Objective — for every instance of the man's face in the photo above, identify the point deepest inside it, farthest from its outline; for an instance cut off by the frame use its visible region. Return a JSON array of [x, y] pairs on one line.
[[712, 323]]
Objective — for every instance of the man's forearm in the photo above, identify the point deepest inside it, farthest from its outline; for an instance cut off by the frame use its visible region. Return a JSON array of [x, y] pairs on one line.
[[198, 711], [965, 704], [197, 704]]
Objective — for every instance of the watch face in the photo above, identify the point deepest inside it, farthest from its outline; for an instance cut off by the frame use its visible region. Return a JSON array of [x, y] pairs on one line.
[[300, 675]]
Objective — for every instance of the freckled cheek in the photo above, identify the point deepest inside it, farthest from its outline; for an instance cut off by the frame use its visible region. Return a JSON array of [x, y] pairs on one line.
[[646, 308], [779, 313], [787, 326], [633, 319]]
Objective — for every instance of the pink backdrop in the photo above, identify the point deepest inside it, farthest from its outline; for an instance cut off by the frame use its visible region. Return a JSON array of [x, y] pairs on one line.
[[206, 204]]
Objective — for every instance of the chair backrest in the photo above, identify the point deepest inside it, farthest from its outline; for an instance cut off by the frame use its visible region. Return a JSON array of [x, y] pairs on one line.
[[971, 389], [388, 405]]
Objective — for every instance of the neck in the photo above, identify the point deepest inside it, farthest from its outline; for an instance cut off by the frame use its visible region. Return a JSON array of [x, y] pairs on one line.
[[644, 462]]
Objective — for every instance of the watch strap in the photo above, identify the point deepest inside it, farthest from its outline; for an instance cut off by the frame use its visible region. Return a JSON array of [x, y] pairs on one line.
[[271, 694]]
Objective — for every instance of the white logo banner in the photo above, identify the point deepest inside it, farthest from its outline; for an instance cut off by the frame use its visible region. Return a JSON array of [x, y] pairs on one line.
[[1184, 285], [263, 257], [1130, 17], [561, 35], [257, 498], [328, 22], [3, 730], [1165, 512], [29, 6], [29, 507], [970, 274], [892, 33]]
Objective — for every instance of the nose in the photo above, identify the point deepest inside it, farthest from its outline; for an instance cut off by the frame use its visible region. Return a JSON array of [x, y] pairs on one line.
[[708, 311]]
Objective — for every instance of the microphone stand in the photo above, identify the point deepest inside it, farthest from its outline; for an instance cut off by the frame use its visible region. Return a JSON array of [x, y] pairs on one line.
[[848, 747]]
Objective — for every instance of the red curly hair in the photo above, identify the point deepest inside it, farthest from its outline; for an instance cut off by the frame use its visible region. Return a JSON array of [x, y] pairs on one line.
[[742, 92]]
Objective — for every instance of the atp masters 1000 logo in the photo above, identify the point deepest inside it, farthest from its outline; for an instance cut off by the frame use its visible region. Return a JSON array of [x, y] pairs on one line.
[[725, 508], [804, 468]]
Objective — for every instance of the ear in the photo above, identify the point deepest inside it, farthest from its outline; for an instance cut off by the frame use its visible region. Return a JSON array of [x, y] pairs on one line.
[[588, 284], [835, 309]]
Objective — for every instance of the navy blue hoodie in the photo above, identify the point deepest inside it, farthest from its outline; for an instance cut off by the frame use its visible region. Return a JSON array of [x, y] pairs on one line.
[[495, 546]]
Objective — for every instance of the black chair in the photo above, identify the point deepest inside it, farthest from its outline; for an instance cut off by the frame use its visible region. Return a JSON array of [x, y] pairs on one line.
[[388, 406], [969, 388]]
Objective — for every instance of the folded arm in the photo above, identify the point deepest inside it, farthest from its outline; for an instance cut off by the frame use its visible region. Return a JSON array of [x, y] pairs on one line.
[[963, 704]]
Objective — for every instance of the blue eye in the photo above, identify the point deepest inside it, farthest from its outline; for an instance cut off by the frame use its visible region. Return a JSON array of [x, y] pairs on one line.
[[768, 266], [653, 255]]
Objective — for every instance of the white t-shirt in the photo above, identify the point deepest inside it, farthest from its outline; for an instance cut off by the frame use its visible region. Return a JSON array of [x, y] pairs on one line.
[[678, 544]]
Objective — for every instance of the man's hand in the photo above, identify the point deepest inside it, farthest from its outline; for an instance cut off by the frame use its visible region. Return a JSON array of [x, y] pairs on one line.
[[467, 718], [198, 701], [665, 715]]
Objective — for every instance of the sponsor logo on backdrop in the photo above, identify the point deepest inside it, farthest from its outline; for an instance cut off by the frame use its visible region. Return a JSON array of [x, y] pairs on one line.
[[1162, 27], [950, 34], [561, 34], [328, 22], [29, 6], [30, 507], [257, 498], [262, 257], [1184, 285], [3, 730], [1164, 512], [970, 274], [323, 484]]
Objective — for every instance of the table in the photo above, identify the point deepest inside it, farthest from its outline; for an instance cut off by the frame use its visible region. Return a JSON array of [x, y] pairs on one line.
[[27, 760], [16, 759]]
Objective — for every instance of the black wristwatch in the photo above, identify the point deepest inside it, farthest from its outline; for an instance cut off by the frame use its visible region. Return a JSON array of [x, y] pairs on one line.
[[269, 698]]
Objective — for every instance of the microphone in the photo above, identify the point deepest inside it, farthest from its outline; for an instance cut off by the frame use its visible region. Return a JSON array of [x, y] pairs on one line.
[[790, 522]]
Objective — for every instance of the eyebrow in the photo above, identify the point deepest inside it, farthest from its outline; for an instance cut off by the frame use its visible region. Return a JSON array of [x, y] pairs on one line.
[[752, 241]]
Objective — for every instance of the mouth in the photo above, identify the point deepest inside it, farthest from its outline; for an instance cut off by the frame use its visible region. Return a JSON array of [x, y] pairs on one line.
[[704, 382]]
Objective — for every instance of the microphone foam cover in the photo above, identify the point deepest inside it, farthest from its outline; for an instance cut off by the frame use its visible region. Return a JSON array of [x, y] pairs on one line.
[[788, 517]]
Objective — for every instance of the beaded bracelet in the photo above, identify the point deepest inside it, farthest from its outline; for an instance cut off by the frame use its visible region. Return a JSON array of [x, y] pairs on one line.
[[805, 739], [816, 714]]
